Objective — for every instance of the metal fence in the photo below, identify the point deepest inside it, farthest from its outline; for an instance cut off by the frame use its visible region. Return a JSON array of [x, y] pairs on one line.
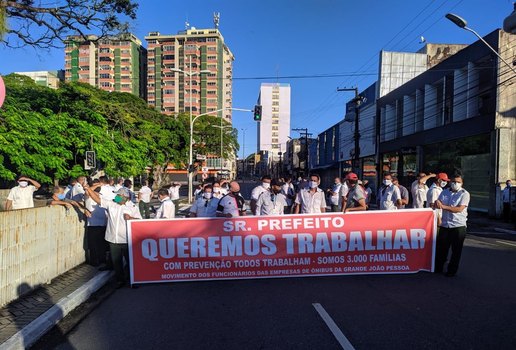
[[37, 245]]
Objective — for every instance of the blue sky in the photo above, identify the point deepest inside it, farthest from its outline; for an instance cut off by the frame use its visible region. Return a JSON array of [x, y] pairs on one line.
[[280, 38]]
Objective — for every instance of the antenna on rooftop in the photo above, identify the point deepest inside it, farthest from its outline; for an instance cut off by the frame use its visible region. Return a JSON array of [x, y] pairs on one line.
[[216, 19], [187, 25]]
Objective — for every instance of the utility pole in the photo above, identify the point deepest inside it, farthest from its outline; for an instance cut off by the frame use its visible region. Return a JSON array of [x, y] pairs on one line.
[[304, 132], [358, 101]]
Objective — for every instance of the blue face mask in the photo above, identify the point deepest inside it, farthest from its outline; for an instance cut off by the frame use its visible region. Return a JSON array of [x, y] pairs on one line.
[[61, 196]]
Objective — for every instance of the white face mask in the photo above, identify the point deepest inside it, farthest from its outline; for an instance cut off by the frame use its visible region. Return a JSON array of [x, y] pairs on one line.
[[443, 183], [313, 184], [207, 195], [455, 186], [387, 182], [216, 189], [23, 183], [266, 185]]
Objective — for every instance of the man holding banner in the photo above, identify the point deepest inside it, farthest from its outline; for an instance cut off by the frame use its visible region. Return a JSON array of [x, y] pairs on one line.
[[454, 204], [232, 204]]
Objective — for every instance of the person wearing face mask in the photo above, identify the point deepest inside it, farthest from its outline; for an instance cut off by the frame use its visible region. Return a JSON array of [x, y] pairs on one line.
[[506, 199], [389, 196], [21, 196], [217, 193], [206, 205], [435, 190], [273, 201], [312, 199], [288, 191], [119, 210], [232, 204], [258, 190], [356, 200], [334, 193], [454, 203], [166, 209]]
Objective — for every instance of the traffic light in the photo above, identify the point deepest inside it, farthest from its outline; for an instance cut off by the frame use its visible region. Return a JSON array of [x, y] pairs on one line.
[[90, 161], [257, 115]]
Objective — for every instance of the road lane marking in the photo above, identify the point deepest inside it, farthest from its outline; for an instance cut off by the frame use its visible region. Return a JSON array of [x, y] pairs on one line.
[[507, 243], [337, 333]]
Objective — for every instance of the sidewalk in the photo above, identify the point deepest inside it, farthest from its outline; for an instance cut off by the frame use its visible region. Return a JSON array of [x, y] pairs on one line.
[[26, 319]]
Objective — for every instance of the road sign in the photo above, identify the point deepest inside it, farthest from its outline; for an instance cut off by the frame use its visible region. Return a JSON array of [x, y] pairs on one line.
[[204, 176], [205, 169]]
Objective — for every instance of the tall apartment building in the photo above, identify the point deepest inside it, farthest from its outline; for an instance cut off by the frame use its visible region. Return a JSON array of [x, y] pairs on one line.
[[111, 63], [274, 128], [190, 51]]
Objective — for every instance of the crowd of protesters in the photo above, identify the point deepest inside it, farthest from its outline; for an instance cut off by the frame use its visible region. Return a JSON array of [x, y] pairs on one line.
[[107, 206]]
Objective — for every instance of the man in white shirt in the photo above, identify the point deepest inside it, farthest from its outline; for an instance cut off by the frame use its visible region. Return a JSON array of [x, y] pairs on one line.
[[454, 203], [311, 200], [272, 202], [77, 191], [167, 208], [506, 200], [119, 210], [206, 205], [419, 189], [435, 190], [96, 226], [344, 189], [258, 190], [173, 192], [335, 198], [21, 196], [144, 198], [288, 191], [389, 196]]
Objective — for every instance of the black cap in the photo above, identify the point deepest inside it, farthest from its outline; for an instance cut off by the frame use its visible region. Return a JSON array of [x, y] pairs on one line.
[[276, 182]]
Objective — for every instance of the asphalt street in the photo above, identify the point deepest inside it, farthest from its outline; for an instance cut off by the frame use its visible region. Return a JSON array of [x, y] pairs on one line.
[[474, 310]]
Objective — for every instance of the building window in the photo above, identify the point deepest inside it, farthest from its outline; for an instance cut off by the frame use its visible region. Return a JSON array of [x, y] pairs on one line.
[[168, 91], [211, 40], [105, 76], [275, 103], [168, 48], [105, 59]]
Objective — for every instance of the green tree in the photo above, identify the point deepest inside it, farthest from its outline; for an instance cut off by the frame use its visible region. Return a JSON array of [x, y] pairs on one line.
[[46, 24]]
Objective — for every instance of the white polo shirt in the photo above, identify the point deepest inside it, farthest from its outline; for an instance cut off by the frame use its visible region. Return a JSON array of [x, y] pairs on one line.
[[231, 205], [257, 191], [145, 194], [173, 191], [311, 203], [116, 231], [388, 197], [271, 204], [418, 194], [455, 199], [167, 209], [22, 197], [288, 189], [336, 198]]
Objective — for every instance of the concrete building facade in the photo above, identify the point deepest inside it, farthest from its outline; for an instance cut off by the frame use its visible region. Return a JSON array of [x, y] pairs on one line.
[[46, 78], [274, 128], [111, 63], [193, 50]]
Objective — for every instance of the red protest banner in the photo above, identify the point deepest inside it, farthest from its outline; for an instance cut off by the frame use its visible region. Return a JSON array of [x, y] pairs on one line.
[[373, 242]]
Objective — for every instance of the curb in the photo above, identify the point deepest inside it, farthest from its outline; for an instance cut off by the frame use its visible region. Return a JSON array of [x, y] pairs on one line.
[[29, 334], [503, 230]]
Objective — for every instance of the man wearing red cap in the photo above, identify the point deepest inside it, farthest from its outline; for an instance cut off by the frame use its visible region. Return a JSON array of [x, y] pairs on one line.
[[355, 198]]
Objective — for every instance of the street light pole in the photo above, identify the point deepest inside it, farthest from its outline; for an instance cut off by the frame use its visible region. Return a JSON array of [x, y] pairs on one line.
[[243, 152], [192, 121], [356, 156], [461, 23], [222, 140]]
